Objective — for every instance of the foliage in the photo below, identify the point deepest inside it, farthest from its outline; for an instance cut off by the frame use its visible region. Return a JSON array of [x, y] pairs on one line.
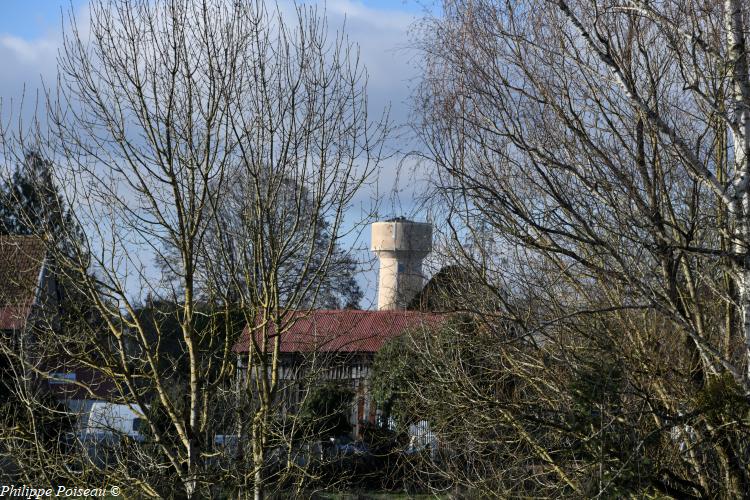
[[722, 399], [399, 369], [498, 405], [325, 410], [393, 368]]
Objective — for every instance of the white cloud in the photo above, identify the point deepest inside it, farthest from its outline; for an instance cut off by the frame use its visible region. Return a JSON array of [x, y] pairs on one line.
[[392, 20], [28, 52], [27, 63]]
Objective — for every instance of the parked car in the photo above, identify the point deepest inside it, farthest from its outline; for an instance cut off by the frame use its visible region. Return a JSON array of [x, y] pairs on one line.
[[347, 447]]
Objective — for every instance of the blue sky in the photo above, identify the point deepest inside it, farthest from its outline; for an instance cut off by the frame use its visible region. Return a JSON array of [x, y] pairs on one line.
[[30, 19], [30, 35]]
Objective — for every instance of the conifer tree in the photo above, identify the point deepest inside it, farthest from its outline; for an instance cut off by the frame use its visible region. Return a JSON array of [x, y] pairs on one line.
[[31, 203]]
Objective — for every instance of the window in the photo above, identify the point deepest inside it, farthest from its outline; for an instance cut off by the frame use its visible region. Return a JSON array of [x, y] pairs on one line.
[[62, 377]]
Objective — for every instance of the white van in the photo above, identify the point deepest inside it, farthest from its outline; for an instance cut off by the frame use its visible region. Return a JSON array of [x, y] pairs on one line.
[[104, 420]]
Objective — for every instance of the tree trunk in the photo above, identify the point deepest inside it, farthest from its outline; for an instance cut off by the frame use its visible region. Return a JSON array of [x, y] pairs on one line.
[[735, 25], [258, 454]]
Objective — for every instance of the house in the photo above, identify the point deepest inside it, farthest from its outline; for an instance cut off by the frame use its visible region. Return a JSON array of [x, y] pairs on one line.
[[336, 345], [28, 302]]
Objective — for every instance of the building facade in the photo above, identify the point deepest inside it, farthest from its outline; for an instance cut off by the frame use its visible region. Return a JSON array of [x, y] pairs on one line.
[[334, 345]]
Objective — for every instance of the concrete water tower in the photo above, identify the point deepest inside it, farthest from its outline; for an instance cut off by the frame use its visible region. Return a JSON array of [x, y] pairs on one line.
[[400, 245]]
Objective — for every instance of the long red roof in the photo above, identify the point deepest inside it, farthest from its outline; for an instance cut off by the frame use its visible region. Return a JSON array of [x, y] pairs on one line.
[[344, 330]]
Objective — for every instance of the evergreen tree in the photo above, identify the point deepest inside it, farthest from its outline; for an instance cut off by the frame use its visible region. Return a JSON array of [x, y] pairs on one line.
[[31, 204]]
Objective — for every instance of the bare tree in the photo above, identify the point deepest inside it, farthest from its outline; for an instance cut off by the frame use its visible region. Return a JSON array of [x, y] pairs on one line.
[[602, 149], [158, 104]]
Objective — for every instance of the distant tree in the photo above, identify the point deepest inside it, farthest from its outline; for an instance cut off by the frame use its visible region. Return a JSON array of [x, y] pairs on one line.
[[337, 289], [160, 322], [31, 202], [452, 289]]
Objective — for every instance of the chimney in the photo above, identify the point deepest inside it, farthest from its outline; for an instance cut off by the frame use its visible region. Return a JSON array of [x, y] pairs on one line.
[[400, 245]]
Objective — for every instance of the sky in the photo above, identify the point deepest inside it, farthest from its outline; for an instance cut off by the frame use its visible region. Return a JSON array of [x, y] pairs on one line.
[[31, 34]]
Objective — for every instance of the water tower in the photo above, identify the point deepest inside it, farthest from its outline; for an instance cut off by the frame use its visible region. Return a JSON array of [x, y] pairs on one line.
[[400, 245]]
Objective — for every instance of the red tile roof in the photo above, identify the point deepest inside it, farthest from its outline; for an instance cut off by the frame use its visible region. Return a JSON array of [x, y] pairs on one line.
[[21, 259], [345, 330]]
